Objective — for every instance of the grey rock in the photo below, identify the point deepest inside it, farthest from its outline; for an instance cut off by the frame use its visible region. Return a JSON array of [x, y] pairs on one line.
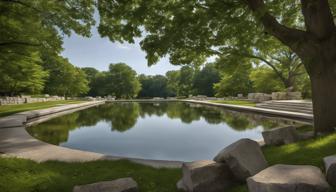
[[330, 167], [244, 158], [206, 176], [280, 136], [181, 186], [288, 178], [118, 185]]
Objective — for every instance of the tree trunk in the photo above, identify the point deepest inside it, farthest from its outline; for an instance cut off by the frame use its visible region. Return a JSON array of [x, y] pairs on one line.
[[324, 99]]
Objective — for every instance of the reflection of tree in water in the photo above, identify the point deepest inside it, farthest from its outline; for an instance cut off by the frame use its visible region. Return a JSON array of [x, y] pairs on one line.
[[158, 109], [56, 130], [89, 117], [122, 116], [238, 121], [183, 111]]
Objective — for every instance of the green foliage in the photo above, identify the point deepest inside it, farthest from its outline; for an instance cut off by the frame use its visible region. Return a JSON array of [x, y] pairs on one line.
[[235, 80], [21, 75], [153, 86], [205, 79], [265, 81], [185, 81], [30, 29], [172, 82], [64, 79], [123, 82]]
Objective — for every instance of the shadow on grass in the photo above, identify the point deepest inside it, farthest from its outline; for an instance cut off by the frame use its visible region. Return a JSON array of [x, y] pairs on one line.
[[17, 175]]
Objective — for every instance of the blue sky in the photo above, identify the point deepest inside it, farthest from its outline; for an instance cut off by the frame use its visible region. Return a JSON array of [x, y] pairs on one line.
[[99, 52]]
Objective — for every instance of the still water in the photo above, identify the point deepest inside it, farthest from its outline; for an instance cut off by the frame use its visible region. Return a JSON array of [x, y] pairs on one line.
[[161, 130]]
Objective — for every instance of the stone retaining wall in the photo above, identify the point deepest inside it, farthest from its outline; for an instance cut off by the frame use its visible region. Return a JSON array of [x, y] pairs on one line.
[[260, 97], [27, 99]]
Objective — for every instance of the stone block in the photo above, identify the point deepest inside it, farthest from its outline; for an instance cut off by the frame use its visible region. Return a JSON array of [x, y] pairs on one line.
[[206, 175], [118, 185], [244, 158], [288, 178], [281, 136]]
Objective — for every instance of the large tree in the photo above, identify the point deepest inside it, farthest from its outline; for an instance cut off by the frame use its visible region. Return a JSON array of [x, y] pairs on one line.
[[64, 79], [122, 81], [205, 79], [192, 30], [153, 86]]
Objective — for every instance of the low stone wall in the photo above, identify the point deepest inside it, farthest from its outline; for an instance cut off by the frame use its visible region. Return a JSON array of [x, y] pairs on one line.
[[27, 99], [260, 97]]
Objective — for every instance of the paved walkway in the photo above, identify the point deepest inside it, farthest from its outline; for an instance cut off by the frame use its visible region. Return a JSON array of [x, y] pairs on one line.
[[16, 142]]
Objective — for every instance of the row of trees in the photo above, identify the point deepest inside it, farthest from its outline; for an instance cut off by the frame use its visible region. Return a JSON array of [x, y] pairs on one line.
[[229, 80]]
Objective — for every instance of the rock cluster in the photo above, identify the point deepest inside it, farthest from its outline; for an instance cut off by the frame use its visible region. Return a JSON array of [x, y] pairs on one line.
[[243, 161]]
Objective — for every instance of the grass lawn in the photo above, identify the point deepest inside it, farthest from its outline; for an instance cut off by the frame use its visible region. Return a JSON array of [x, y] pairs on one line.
[[235, 102], [309, 152], [6, 110], [25, 175], [18, 175]]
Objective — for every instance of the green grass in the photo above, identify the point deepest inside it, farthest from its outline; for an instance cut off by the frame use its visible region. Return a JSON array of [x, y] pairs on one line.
[[309, 152], [6, 110], [18, 175], [235, 102]]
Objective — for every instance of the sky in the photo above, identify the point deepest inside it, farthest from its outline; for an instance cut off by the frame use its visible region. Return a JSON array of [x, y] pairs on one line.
[[99, 52]]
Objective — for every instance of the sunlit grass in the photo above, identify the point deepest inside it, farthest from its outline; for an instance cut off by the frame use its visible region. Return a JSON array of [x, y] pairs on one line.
[[6, 110], [18, 175], [309, 152], [235, 102]]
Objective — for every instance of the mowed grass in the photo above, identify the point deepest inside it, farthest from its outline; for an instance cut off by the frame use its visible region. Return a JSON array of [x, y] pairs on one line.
[[309, 152], [6, 110], [18, 175], [235, 102]]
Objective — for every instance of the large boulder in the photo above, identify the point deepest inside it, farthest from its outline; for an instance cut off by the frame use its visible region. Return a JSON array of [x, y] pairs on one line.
[[205, 176], [288, 178], [330, 167], [280, 136], [244, 158], [118, 185]]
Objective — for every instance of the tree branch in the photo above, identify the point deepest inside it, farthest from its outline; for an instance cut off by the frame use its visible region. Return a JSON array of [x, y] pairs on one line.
[[288, 36]]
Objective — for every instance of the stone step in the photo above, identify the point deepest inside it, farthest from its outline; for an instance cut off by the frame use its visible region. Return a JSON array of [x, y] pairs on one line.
[[289, 103], [288, 109], [282, 105]]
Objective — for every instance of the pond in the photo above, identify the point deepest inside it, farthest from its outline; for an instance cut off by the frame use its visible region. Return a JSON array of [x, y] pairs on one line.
[[161, 130]]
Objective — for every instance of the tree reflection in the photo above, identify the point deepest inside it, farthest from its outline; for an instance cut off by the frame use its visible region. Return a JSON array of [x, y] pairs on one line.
[[123, 116], [55, 131]]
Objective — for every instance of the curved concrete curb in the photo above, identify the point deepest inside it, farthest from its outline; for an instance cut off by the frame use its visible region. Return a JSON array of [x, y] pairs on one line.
[[15, 141], [20, 119]]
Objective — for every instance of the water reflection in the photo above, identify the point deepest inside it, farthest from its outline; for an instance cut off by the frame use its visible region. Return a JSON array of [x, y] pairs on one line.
[[156, 126]]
